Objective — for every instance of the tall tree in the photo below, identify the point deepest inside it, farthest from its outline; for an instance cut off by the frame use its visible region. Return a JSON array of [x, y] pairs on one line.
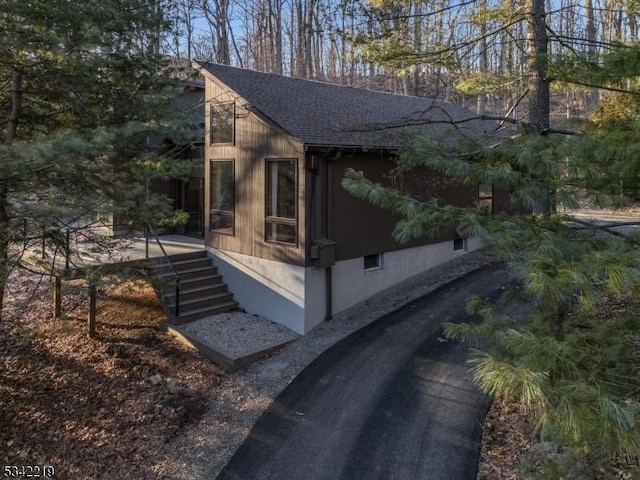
[[562, 361], [217, 14], [85, 92]]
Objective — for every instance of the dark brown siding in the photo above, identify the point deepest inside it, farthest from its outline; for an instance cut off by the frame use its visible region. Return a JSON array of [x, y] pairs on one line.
[[190, 98], [502, 203], [255, 141], [359, 228]]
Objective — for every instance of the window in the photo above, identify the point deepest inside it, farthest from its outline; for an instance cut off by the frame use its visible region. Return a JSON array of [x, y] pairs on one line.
[[281, 223], [485, 196], [459, 244], [221, 131], [222, 204], [373, 262]]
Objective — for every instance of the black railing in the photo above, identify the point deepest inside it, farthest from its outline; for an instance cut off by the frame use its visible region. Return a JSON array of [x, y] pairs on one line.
[[150, 231]]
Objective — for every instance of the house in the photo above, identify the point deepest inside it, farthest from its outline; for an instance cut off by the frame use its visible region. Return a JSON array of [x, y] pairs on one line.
[[186, 194], [291, 243]]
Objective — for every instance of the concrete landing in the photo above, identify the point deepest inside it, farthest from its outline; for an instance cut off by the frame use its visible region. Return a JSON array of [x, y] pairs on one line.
[[233, 340]]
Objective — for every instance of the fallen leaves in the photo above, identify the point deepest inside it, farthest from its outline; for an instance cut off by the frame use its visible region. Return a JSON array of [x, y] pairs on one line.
[[504, 441], [508, 441], [88, 406]]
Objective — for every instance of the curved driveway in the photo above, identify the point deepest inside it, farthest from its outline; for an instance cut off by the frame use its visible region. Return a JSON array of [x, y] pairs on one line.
[[392, 401]]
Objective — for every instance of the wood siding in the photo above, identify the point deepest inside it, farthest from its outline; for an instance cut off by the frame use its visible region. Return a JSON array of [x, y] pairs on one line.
[[255, 141], [325, 209], [359, 228]]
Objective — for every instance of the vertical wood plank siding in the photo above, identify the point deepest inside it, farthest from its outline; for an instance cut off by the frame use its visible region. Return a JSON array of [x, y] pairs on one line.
[[255, 141], [357, 227], [360, 229]]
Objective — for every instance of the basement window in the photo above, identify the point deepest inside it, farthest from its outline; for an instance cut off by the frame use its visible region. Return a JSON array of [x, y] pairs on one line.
[[459, 244], [372, 262]]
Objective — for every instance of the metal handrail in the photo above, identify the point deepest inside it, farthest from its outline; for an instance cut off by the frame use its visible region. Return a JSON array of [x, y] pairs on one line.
[[151, 230]]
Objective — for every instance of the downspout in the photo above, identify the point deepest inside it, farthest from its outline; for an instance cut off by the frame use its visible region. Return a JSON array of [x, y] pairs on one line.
[[328, 275], [329, 287]]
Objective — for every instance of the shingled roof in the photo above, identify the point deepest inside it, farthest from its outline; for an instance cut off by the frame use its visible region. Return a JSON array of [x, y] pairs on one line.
[[326, 115]]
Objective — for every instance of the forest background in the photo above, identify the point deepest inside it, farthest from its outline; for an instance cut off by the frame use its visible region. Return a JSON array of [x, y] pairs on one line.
[[472, 52], [84, 87]]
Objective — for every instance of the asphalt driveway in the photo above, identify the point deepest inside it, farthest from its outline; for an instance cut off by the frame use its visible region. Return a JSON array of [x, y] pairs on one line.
[[392, 401]]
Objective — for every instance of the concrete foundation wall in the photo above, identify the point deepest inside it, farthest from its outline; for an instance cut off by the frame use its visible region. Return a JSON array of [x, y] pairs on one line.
[[273, 290], [353, 284], [295, 296], [315, 297]]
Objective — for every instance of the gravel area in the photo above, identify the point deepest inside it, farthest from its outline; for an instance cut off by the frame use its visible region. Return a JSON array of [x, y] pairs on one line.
[[238, 333], [237, 402]]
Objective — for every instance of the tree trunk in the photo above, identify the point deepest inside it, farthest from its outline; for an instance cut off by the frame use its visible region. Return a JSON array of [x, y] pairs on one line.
[[482, 96], [12, 128], [593, 95], [417, 45], [224, 56], [279, 67], [538, 83]]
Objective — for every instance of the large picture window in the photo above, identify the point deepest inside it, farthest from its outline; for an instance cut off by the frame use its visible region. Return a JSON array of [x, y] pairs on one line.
[[222, 124], [281, 223], [222, 204]]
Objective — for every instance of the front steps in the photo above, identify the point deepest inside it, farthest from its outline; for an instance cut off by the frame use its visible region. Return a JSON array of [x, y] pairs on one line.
[[232, 341], [201, 290]]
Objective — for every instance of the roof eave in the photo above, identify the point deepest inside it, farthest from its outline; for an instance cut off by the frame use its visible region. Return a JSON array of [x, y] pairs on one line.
[[251, 109], [321, 147]]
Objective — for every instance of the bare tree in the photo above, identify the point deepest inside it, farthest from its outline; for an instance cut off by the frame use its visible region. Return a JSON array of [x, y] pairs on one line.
[[216, 13]]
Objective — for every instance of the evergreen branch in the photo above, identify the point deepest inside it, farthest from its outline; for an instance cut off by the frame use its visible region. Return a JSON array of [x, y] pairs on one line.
[[496, 377], [30, 172], [459, 121], [609, 88], [582, 41]]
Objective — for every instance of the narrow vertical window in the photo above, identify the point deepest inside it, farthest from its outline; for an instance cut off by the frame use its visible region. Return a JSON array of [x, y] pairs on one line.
[[281, 222], [485, 196], [222, 123], [222, 205]]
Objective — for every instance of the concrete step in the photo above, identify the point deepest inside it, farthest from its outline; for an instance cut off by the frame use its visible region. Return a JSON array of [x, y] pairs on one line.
[[193, 304], [177, 258], [191, 292], [202, 290], [188, 256], [197, 282], [190, 273], [163, 267], [201, 313], [247, 339], [190, 264]]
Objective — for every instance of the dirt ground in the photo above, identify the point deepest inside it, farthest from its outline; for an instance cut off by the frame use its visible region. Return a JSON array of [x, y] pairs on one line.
[[112, 406], [96, 408]]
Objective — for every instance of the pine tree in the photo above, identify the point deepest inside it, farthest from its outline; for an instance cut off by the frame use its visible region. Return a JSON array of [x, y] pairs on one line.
[[85, 93], [566, 364]]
